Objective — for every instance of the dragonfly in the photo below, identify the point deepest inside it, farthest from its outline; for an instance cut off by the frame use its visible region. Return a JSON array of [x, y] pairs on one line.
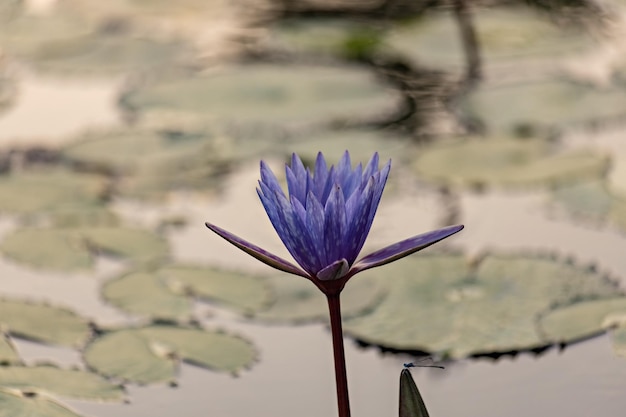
[[425, 362]]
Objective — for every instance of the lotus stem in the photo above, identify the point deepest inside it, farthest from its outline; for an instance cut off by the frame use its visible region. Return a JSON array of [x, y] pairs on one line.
[[343, 401]]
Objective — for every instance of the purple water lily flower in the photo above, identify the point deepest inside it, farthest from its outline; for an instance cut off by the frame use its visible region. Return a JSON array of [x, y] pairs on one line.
[[325, 219]]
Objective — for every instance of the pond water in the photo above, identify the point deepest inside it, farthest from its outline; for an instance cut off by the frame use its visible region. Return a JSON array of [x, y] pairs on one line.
[[294, 375]]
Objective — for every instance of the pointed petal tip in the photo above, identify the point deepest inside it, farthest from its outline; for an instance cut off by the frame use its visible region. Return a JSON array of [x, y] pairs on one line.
[[404, 248], [257, 252]]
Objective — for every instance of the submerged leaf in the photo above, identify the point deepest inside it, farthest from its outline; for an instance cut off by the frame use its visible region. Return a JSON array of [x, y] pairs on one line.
[[152, 354], [43, 323]]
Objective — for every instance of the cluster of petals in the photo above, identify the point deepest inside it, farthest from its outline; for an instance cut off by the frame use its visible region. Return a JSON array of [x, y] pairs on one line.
[[325, 219]]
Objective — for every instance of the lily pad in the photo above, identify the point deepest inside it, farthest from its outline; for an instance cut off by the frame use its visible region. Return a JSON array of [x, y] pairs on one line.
[[76, 248], [47, 190], [507, 162], [8, 354], [152, 162], [592, 201], [64, 382], [16, 404], [297, 300], [167, 292], [110, 53], [326, 37], [152, 354], [263, 94], [552, 104], [442, 304], [514, 35], [43, 323], [144, 293], [580, 320], [233, 289]]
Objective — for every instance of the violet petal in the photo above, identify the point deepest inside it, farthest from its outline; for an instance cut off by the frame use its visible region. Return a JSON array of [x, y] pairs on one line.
[[333, 271], [404, 248], [258, 253]]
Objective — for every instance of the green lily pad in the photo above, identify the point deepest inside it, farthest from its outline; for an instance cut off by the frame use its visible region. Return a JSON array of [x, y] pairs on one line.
[[8, 354], [43, 323], [552, 104], [592, 201], [361, 143], [266, 95], [580, 320], [513, 34], [619, 341], [233, 289], [166, 292], [152, 162], [507, 162], [151, 354], [328, 37], [75, 248], [48, 190], [440, 303], [144, 293], [298, 300], [110, 53], [64, 382], [16, 404]]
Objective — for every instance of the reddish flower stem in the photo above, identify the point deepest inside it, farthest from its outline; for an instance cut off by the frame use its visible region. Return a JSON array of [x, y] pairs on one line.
[[343, 402]]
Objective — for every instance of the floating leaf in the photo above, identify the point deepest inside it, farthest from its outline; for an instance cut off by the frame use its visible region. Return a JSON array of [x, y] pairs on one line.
[[543, 105], [514, 35], [16, 404], [580, 320], [109, 53], [440, 303], [64, 382], [298, 300], [155, 161], [233, 289], [8, 355], [335, 37], [49, 189], [593, 201], [263, 94], [166, 292], [75, 248], [151, 354], [507, 162], [144, 293], [43, 323]]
